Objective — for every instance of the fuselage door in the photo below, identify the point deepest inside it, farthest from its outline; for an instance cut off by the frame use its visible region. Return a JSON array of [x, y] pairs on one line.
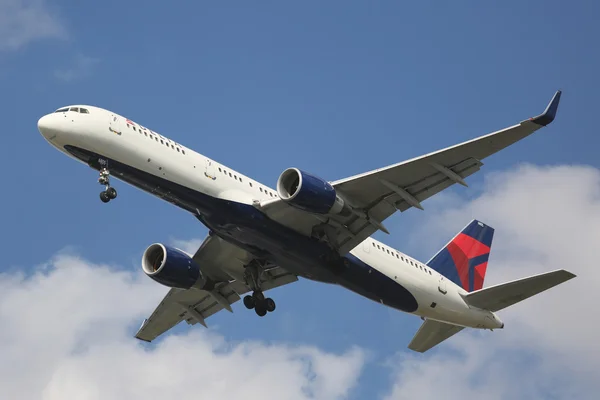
[[442, 285], [209, 171], [366, 246], [114, 126]]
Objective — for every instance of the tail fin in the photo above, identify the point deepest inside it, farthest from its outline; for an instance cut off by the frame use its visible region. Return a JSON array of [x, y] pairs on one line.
[[464, 259]]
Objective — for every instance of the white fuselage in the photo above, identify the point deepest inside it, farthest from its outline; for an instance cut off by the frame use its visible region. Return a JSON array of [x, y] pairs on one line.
[[116, 138]]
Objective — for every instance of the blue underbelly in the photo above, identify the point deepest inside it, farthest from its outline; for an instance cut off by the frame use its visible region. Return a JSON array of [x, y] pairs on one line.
[[249, 228]]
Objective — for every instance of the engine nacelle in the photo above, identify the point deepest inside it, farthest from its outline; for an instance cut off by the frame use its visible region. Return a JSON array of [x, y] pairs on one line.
[[310, 193], [172, 267]]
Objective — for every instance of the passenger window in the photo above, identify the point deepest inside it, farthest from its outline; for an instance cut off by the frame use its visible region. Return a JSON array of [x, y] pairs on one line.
[[378, 247], [220, 169], [172, 146], [373, 243], [397, 256], [161, 141], [156, 138], [230, 175], [183, 151], [260, 190], [240, 179], [250, 183], [178, 149]]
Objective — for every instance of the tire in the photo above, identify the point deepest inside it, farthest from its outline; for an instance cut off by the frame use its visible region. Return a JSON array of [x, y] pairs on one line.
[[104, 197], [269, 304], [261, 311], [258, 297], [249, 302], [112, 193]]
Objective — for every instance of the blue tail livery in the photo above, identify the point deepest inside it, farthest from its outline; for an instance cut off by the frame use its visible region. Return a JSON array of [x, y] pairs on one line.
[[464, 259]]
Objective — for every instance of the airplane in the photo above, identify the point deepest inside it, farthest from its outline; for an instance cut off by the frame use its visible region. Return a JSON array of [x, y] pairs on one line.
[[261, 238]]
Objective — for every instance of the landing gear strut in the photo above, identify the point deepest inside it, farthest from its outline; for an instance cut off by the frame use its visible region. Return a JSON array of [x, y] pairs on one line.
[[109, 192], [257, 300]]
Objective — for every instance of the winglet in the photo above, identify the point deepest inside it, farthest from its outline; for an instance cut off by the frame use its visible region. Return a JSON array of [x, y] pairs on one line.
[[550, 113]]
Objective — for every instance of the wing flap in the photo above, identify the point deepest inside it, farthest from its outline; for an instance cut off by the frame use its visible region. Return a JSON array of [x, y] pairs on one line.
[[431, 333], [191, 305], [498, 297]]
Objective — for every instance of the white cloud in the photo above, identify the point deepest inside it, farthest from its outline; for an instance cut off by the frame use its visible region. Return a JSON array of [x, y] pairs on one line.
[[545, 218], [67, 333], [82, 67], [24, 21], [67, 329], [190, 246]]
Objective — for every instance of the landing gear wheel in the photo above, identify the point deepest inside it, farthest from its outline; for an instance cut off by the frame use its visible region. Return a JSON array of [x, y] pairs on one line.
[[112, 193], [269, 304], [109, 193], [104, 197], [252, 276], [249, 302], [260, 310], [258, 296]]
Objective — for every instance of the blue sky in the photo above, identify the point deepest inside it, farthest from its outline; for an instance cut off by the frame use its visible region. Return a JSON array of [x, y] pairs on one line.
[[336, 88]]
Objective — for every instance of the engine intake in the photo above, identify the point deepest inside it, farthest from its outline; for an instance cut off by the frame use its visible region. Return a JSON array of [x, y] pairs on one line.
[[310, 193], [172, 267]]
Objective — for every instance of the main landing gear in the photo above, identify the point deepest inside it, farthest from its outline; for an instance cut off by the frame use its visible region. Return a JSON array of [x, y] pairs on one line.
[[109, 192], [260, 304], [257, 300]]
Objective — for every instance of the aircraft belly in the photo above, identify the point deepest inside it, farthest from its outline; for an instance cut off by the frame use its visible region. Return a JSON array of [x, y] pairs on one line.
[[249, 228]]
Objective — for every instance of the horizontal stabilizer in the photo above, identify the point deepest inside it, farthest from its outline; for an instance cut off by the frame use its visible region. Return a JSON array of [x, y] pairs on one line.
[[495, 298], [432, 333]]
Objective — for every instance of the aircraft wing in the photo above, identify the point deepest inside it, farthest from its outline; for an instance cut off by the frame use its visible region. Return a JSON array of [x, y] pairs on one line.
[[431, 333], [379, 193], [224, 262]]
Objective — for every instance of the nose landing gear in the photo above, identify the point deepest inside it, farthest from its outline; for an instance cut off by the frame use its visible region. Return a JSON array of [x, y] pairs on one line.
[[109, 192]]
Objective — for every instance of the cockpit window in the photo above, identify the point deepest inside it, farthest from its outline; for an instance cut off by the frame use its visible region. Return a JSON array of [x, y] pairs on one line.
[[74, 109]]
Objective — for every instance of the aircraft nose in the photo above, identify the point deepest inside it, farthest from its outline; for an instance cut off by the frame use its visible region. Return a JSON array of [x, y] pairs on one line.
[[47, 125]]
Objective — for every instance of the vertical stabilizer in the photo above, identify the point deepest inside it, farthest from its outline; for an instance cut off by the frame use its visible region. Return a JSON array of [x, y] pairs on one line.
[[464, 259]]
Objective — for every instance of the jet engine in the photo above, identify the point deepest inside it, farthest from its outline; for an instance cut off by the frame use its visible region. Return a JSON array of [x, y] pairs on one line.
[[172, 267], [310, 193]]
